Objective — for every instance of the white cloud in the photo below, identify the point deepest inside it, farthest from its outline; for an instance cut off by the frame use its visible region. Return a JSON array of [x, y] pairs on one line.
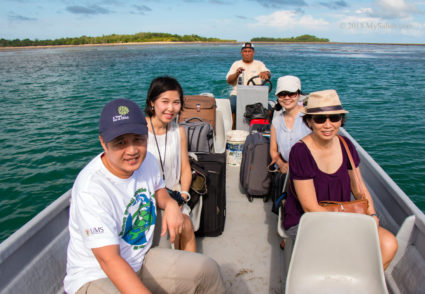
[[392, 9], [285, 19], [364, 11]]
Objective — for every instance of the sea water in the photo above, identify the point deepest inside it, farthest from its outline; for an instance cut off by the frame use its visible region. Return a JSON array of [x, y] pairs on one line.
[[50, 101]]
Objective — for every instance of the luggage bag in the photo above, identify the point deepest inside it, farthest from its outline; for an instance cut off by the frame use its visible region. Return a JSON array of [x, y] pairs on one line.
[[213, 213], [199, 135], [254, 176], [200, 106], [276, 189]]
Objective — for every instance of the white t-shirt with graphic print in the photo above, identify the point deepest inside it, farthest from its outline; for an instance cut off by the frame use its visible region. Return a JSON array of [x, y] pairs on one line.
[[107, 210]]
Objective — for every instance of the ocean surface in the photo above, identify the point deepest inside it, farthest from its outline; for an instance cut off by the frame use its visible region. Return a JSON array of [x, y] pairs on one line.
[[50, 101]]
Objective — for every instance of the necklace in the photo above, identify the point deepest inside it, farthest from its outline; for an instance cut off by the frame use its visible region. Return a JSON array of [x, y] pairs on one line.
[[157, 146]]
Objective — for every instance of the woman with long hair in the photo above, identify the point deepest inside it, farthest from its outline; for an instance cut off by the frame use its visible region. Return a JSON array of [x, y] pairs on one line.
[[167, 142]]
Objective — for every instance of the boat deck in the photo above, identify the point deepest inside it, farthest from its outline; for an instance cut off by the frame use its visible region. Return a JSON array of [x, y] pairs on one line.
[[253, 264]]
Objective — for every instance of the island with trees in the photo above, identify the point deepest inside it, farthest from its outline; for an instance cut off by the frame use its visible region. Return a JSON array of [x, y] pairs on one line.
[[110, 39], [143, 38], [302, 38]]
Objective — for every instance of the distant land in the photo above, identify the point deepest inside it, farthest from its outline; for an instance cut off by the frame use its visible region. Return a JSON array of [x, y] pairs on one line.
[[143, 38], [302, 38], [160, 38], [110, 39]]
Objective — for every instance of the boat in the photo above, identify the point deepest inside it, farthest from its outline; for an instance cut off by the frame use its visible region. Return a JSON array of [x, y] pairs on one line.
[[33, 259]]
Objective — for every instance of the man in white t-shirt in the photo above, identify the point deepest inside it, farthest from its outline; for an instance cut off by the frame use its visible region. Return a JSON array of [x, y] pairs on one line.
[[246, 68], [113, 217]]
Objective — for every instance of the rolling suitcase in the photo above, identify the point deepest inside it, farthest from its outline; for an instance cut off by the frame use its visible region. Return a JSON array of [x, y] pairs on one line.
[[254, 176], [213, 213]]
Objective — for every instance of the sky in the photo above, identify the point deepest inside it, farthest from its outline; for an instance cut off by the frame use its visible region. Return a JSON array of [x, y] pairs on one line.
[[377, 21]]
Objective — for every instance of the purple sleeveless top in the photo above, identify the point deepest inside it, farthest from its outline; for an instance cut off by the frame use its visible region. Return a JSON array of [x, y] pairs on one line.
[[302, 166]]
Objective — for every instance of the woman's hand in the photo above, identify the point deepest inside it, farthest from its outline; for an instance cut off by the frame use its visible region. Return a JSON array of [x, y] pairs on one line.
[[375, 217], [283, 166]]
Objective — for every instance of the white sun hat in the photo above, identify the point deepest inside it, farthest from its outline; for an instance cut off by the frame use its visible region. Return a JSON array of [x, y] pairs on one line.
[[289, 84]]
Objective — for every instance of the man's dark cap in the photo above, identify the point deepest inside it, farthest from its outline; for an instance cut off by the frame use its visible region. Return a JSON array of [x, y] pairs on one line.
[[247, 45], [119, 117]]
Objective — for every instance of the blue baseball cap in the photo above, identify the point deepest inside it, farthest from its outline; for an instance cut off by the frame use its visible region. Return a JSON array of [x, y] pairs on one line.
[[119, 117]]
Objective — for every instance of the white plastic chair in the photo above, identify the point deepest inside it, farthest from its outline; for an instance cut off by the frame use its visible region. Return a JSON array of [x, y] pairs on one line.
[[336, 253]]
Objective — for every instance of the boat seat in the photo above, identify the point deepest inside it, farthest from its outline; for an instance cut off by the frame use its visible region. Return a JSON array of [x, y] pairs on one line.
[[223, 106], [336, 253], [223, 120]]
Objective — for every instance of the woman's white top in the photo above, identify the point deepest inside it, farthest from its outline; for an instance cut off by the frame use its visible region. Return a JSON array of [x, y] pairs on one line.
[[172, 152], [286, 137]]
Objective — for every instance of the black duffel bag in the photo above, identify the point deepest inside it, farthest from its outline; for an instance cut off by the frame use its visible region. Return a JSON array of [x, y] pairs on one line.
[[255, 110]]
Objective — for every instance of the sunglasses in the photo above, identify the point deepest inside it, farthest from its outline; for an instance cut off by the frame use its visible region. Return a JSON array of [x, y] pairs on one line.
[[283, 94], [321, 118]]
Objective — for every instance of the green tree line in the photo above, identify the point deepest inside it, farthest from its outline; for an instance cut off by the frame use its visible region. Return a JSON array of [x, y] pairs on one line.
[[110, 39], [302, 38]]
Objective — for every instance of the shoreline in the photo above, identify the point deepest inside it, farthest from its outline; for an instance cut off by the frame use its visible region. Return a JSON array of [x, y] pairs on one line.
[[201, 42]]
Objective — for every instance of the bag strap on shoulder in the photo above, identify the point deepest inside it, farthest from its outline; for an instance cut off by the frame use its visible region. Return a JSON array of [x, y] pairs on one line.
[[353, 166]]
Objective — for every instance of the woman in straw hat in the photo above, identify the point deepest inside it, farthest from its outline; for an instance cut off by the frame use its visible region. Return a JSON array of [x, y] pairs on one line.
[[320, 169]]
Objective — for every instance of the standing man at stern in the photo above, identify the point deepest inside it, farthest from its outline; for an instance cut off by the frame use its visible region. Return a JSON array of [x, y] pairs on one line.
[[113, 216], [243, 70]]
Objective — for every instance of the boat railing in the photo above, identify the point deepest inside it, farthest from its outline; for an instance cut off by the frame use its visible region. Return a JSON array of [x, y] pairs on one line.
[[401, 216], [33, 258]]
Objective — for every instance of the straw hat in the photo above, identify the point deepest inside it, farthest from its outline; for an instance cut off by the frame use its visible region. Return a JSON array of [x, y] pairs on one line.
[[289, 84], [323, 102]]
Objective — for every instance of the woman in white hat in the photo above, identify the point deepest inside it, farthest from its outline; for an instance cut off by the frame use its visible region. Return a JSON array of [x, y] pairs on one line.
[[288, 126], [320, 168]]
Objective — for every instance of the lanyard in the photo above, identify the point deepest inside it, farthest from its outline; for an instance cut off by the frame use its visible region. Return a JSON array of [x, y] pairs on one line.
[[159, 152]]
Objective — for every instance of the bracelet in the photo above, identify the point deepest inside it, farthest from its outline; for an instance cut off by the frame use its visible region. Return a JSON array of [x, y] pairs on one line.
[[373, 214], [188, 195]]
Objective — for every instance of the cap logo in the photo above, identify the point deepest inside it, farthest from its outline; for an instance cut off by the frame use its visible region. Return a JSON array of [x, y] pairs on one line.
[[122, 111]]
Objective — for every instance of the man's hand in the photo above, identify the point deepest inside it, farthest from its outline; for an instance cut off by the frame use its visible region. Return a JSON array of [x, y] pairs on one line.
[[231, 79], [264, 75], [239, 70], [172, 219]]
